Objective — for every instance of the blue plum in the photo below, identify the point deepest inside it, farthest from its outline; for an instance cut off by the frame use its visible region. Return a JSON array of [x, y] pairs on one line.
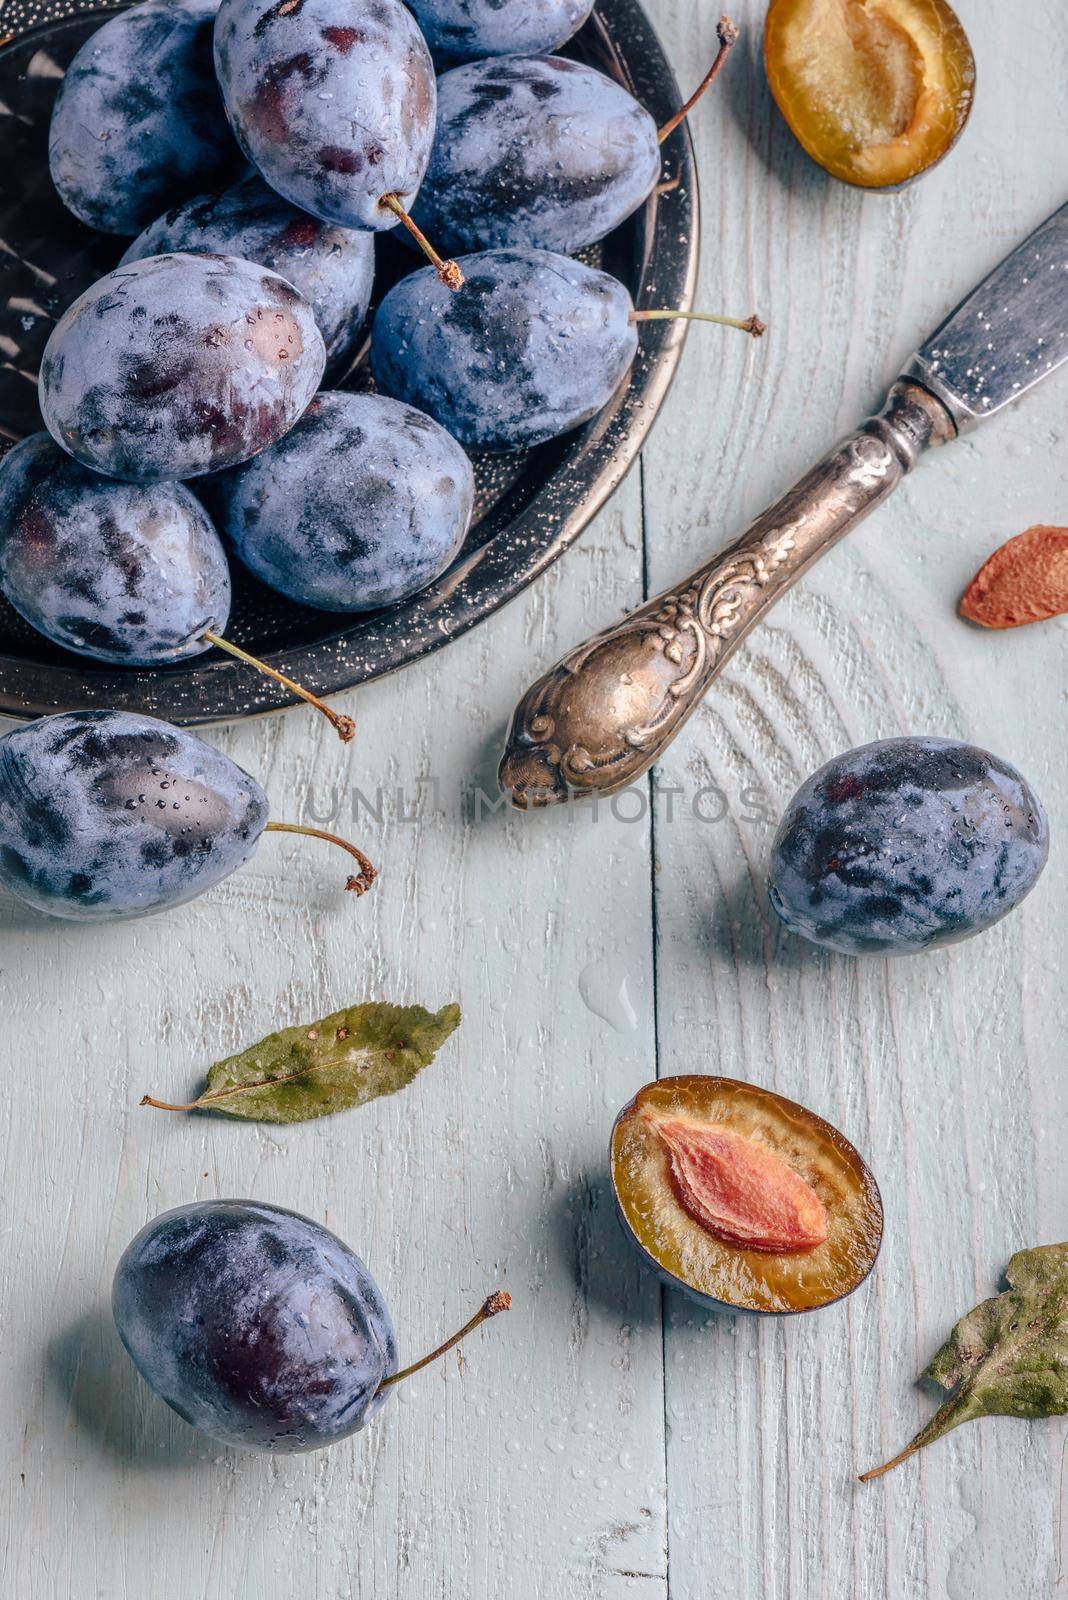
[[106, 815], [534, 151], [138, 123], [905, 845], [332, 267], [464, 30], [123, 572], [255, 1324], [363, 503], [179, 365], [532, 345], [333, 103]]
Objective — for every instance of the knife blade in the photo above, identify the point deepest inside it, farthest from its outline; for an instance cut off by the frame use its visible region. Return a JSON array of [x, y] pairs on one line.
[[1007, 335], [605, 713]]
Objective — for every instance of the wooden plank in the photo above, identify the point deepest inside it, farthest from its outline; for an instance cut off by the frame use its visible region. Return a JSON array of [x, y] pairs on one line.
[[943, 1068], [540, 1450]]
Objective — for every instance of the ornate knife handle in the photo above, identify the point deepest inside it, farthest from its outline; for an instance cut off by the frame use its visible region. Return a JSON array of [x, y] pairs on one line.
[[609, 709]]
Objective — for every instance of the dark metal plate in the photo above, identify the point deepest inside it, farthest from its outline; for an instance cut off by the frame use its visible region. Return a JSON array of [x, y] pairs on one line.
[[531, 506]]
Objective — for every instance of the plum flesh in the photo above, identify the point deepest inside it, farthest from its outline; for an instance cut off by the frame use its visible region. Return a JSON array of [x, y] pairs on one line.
[[533, 345], [904, 845], [138, 123], [107, 815], [130, 573], [334, 104], [179, 365], [465, 30], [332, 267], [362, 504], [255, 1324], [534, 151]]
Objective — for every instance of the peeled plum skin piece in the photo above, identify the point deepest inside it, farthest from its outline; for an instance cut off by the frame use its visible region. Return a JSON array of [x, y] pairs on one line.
[[906, 845], [332, 267], [534, 151], [533, 345], [130, 573], [178, 365], [466, 30], [255, 1324], [365, 502], [333, 104], [138, 123], [106, 815]]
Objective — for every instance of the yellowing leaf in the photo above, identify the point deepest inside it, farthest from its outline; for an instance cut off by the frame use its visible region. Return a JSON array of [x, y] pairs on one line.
[[345, 1060]]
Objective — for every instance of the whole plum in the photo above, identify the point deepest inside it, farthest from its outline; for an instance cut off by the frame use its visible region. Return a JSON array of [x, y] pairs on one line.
[[132, 573], [364, 502], [106, 815], [464, 30], [905, 845], [532, 345], [178, 365], [534, 151], [332, 267], [255, 1324], [138, 123], [333, 103]]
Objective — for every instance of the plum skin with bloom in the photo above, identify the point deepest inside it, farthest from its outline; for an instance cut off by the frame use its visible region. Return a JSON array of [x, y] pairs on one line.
[[905, 845], [465, 30], [531, 346], [258, 1326], [121, 572], [106, 815], [138, 123], [362, 504], [534, 151], [333, 104], [179, 365], [332, 267]]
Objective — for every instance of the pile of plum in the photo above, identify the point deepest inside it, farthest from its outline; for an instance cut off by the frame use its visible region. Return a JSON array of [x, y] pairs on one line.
[[255, 147]]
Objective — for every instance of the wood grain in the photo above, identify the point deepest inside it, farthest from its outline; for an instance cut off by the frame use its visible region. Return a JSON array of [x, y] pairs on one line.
[[603, 1440]]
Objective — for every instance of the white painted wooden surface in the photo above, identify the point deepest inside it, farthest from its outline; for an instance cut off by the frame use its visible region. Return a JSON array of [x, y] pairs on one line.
[[603, 1440]]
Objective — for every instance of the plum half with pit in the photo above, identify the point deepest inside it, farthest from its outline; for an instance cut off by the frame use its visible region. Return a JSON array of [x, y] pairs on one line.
[[362, 504], [332, 267], [179, 365], [534, 151], [334, 103], [532, 345], [466, 30], [741, 1198], [138, 123], [260, 1327], [123, 572], [905, 845], [876, 91]]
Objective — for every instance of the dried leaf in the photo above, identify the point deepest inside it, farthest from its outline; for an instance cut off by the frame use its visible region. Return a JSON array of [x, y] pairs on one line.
[[345, 1060], [1026, 580], [1008, 1357]]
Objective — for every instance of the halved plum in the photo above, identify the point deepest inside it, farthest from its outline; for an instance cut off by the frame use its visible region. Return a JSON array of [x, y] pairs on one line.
[[876, 91], [742, 1198]]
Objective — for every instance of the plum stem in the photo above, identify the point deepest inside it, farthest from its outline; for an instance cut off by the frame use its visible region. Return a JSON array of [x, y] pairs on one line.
[[166, 1105], [727, 34], [447, 271], [498, 1301], [360, 883], [752, 325], [346, 728]]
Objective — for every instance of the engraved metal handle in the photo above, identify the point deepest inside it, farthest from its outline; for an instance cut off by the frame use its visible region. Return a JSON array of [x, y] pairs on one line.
[[609, 709]]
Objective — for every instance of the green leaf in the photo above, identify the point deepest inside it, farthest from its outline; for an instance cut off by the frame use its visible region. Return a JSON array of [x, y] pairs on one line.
[[1008, 1357], [345, 1060]]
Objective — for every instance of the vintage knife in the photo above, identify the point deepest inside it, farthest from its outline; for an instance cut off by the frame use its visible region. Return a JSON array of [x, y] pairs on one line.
[[608, 710]]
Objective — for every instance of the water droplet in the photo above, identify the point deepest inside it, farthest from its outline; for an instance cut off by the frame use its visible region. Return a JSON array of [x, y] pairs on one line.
[[603, 987]]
